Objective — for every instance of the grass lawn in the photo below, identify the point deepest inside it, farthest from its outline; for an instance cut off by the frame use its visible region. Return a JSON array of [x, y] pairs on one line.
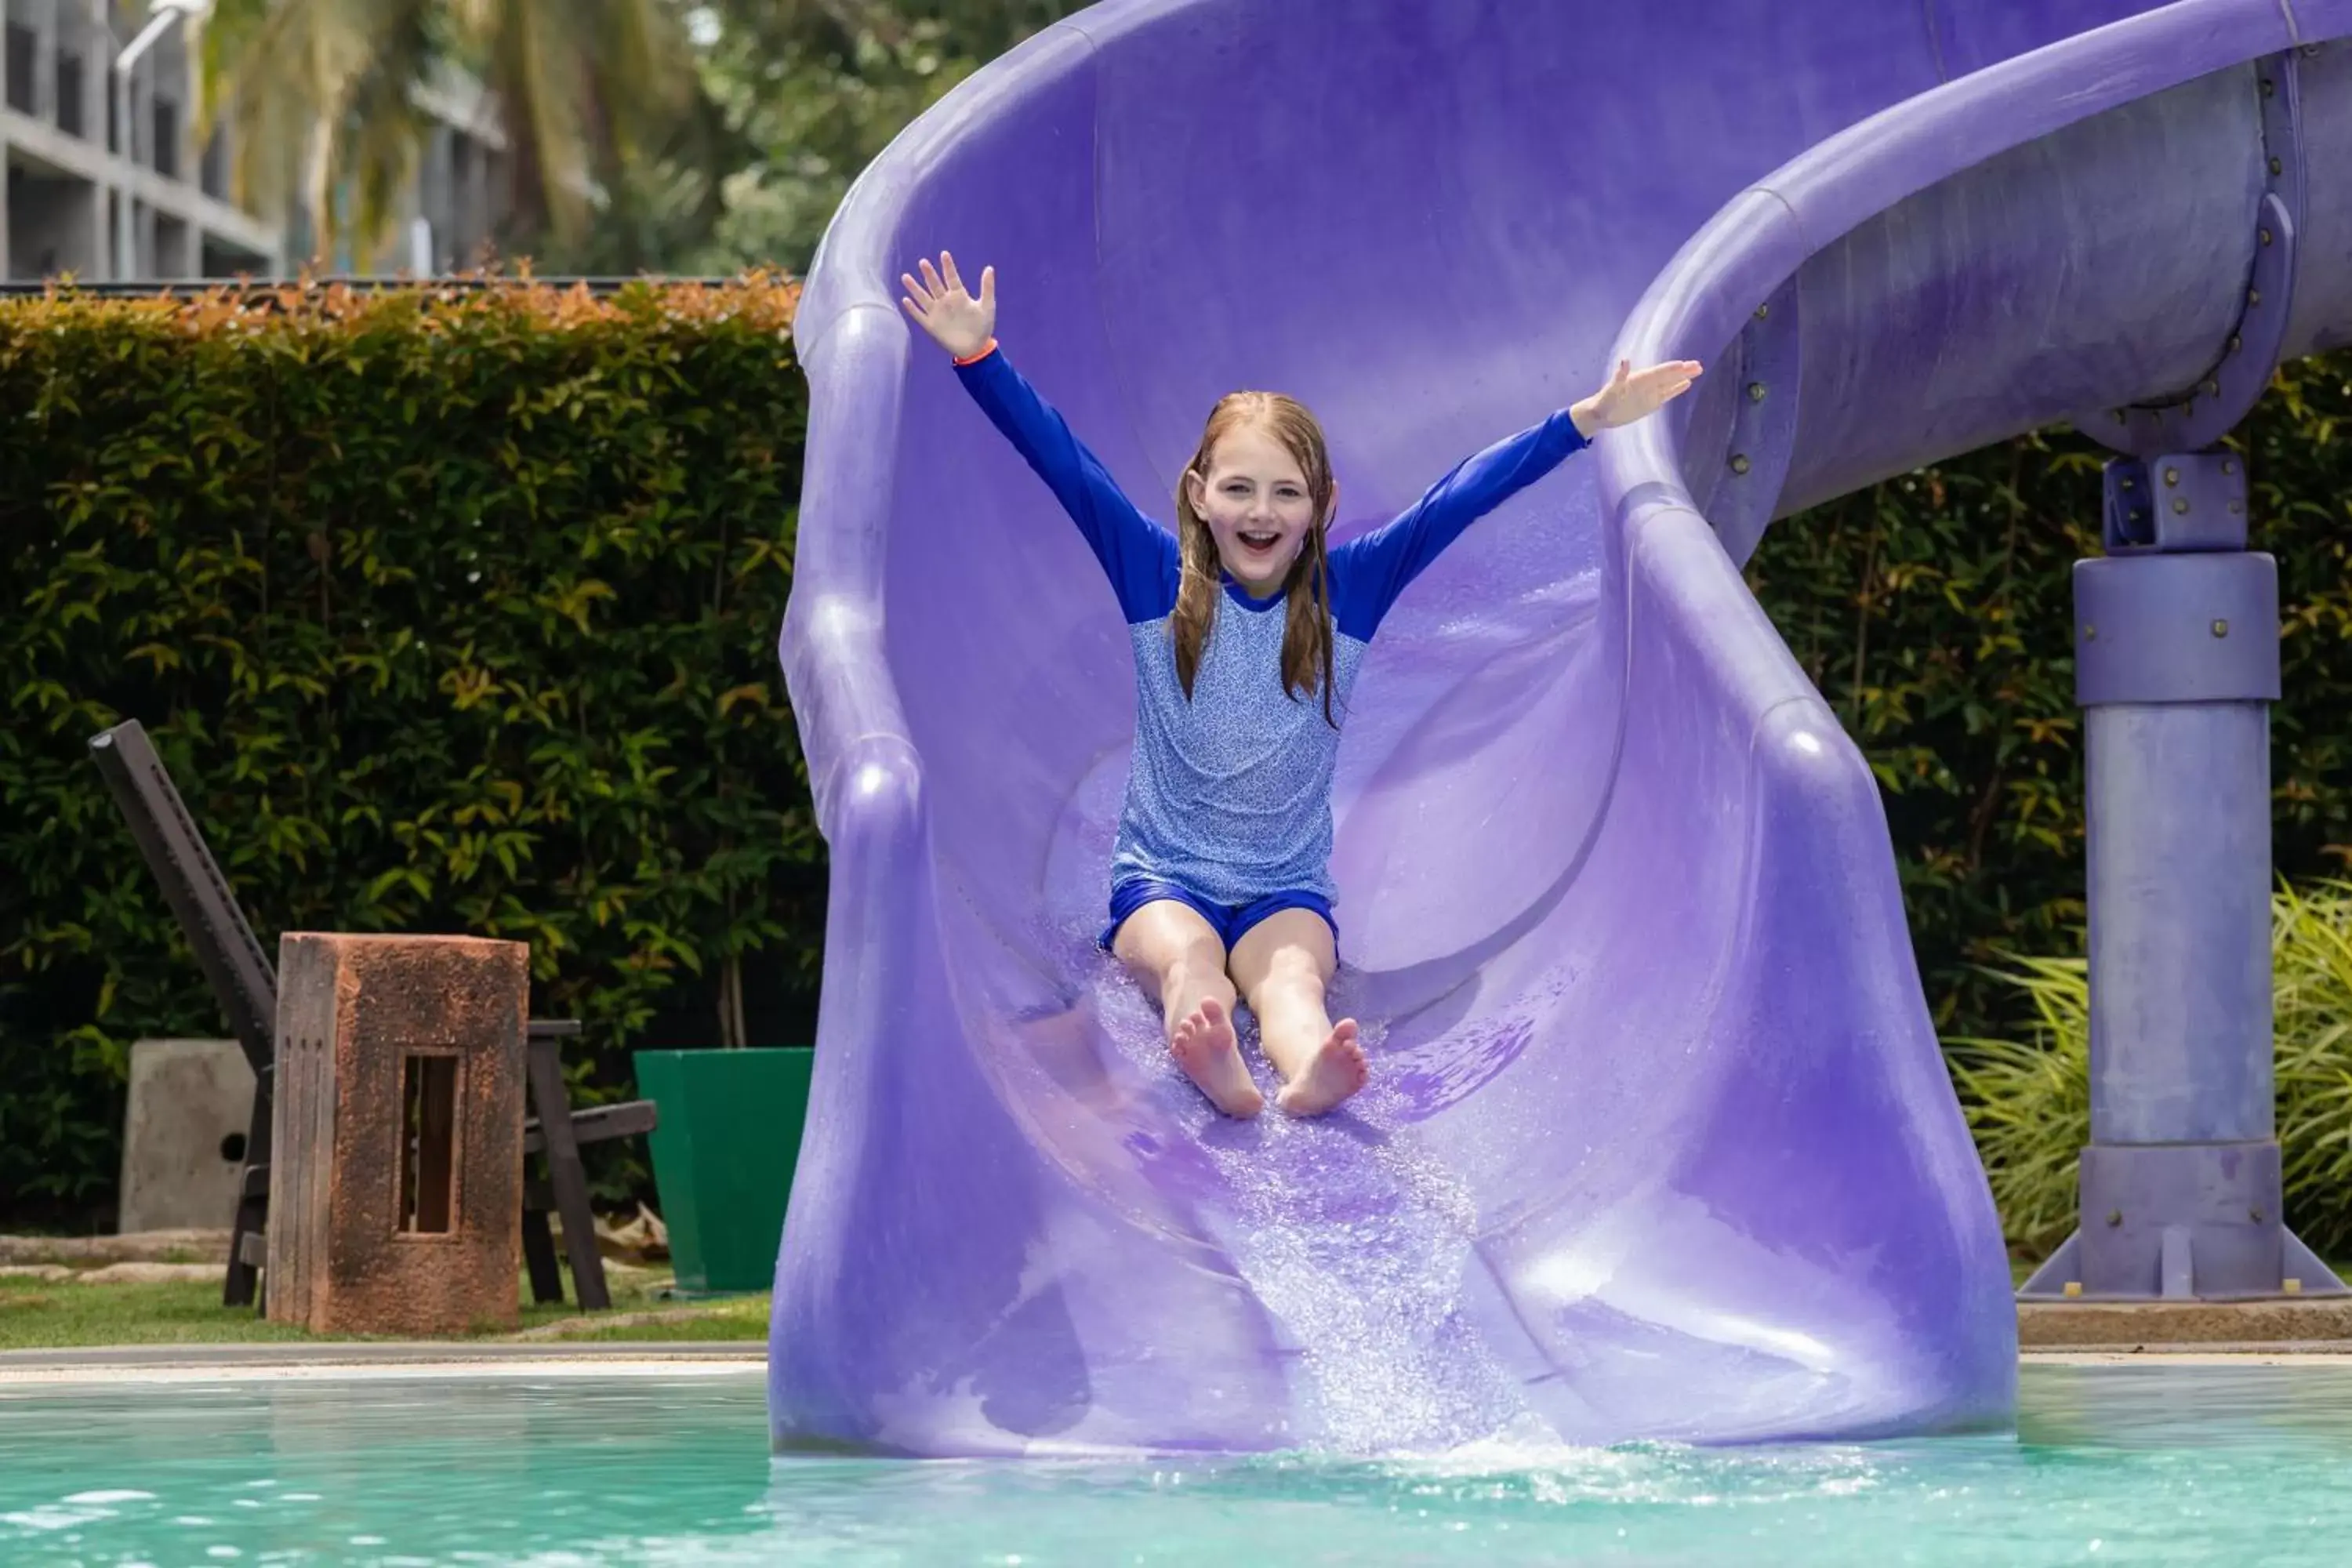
[[736, 1318], [41, 1314]]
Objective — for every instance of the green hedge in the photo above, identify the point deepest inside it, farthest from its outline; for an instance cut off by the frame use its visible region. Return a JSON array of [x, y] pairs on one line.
[[455, 611], [450, 612], [1936, 614]]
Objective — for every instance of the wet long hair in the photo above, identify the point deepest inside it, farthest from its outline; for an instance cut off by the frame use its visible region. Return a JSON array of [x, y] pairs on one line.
[[1306, 588]]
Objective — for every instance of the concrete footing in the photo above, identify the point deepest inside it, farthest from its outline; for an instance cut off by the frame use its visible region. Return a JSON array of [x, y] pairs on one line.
[[2149, 1325]]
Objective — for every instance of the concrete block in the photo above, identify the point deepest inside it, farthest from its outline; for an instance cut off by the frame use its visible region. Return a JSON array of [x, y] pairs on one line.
[[184, 1134], [395, 1180], [2138, 1325]]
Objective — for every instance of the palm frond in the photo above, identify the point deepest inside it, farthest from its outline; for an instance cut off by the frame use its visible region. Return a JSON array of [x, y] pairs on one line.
[[320, 97]]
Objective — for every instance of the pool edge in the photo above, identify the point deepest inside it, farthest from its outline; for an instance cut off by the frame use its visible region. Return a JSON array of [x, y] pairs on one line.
[[179, 1362]]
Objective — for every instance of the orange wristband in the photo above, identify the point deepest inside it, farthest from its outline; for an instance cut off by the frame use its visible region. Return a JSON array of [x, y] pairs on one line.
[[986, 349]]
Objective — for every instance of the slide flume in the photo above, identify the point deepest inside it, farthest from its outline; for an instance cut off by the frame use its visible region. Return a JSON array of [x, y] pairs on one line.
[[1659, 1142]]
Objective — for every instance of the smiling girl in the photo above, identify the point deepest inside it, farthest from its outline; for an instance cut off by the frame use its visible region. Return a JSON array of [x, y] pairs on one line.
[[1248, 631]]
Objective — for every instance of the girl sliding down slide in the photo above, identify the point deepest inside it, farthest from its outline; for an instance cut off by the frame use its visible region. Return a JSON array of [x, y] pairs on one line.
[[1247, 632]]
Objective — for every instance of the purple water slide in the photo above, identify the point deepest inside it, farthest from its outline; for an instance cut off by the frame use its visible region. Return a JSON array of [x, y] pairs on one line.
[[1659, 1142]]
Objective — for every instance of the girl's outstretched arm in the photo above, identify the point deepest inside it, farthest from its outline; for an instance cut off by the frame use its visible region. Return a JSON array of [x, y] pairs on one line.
[[1137, 555], [1369, 572]]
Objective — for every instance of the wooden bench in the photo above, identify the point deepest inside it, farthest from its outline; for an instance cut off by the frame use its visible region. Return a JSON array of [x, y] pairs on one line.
[[245, 983]]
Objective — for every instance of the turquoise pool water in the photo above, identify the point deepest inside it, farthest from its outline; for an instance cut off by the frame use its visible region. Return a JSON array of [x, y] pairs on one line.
[[2137, 1463]]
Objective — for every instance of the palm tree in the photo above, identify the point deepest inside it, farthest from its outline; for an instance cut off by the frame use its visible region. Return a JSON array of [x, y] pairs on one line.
[[322, 96]]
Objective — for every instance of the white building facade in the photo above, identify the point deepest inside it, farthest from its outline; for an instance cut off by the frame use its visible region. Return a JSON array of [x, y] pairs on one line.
[[73, 174]]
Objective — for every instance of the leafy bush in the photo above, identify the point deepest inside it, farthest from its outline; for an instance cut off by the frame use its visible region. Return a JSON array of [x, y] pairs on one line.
[[1935, 613], [2029, 1100], [448, 610]]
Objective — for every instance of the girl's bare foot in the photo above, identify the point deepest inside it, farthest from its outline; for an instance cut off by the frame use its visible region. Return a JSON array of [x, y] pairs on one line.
[[1211, 1057], [1335, 1071]]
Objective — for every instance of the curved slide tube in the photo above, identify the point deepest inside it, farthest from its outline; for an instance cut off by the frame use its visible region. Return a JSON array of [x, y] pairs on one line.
[[1659, 1142]]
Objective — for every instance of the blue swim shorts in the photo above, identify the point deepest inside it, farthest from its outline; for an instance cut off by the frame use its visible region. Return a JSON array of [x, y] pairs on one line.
[[1230, 921]]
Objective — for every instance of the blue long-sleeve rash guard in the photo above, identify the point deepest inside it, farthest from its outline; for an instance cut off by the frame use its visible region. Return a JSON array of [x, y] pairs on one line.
[[1229, 795]]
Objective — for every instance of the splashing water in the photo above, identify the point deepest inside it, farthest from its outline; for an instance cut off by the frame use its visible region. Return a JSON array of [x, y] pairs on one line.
[[1353, 1236], [2140, 1463]]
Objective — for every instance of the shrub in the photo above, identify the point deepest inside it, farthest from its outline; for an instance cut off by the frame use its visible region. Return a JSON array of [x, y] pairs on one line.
[[450, 610], [2029, 1100]]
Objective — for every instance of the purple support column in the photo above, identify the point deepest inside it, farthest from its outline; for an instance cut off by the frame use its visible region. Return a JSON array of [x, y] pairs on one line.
[[2177, 662]]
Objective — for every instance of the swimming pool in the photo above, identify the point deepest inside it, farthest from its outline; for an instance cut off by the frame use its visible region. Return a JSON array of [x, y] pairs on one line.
[[2141, 1462]]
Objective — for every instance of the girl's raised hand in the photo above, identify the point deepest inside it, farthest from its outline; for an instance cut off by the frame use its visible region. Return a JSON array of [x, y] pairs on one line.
[[957, 323], [1634, 394]]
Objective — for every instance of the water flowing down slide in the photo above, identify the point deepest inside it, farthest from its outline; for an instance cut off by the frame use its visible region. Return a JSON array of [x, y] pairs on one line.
[[1659, 1144]]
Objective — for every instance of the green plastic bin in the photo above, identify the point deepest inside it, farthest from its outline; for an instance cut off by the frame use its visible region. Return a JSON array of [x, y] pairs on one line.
[[723, 1156]]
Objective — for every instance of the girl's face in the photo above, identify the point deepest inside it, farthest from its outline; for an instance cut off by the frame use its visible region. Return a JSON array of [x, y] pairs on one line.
[[1255, 502]]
